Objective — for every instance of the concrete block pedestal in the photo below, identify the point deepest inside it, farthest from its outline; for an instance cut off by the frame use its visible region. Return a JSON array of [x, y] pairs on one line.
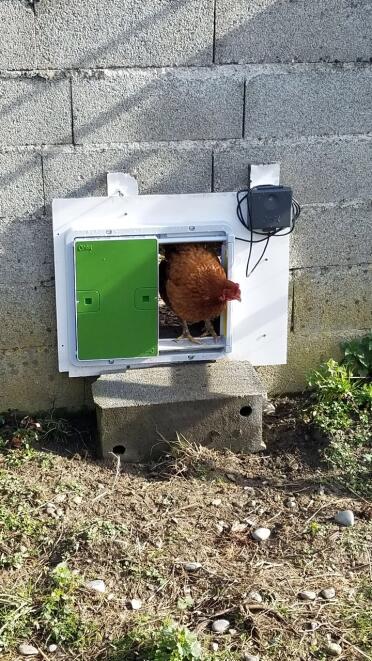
[[217, 404]]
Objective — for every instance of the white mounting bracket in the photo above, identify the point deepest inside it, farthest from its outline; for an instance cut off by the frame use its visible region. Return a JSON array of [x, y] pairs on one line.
[[121, 184]]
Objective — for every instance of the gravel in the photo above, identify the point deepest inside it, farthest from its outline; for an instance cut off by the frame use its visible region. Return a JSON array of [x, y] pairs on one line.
[[328, 593], [333, 649], [255, 596], [192, 566], [28, 650], [345, 518], [307, 595], [220, 626], [261, 534], [97, 585]]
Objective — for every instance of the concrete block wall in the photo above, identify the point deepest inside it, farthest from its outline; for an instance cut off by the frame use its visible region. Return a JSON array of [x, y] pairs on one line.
[[184, 95]]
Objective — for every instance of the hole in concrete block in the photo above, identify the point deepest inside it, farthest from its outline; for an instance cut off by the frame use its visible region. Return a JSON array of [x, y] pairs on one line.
[[246, 411], [118, 449]]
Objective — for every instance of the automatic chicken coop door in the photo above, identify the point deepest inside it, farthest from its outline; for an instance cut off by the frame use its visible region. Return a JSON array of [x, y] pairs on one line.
[[107, 252]]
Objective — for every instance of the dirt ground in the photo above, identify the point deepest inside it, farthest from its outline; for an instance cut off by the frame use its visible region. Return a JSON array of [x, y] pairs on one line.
[[137, 528]]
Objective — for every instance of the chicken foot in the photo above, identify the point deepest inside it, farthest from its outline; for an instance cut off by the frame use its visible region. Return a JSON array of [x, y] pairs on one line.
[[186, 335], [209, 330]]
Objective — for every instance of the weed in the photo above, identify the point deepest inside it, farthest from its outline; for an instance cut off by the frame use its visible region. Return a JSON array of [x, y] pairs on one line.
[[314, 528], [172, 642], [15, 618], [341, 409], [358, 356], [54, 613], [58, 614]]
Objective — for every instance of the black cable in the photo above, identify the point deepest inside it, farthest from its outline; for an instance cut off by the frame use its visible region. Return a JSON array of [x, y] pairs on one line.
[[244, 195]]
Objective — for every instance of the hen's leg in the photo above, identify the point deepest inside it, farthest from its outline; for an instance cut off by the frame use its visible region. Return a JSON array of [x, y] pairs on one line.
[[186, 335], [209, 330]]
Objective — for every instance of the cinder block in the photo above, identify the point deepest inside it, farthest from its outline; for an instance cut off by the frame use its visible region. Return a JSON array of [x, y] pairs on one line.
[[30, 382], [91, 33], [168, 169], [317, 101], [34, 111], [158, 104], [319, 171], [28, 246], [332, 299], [286, 31], [21, 184], [332, 235], [27, 315], [17, 43], [217, 404], [305, 352]]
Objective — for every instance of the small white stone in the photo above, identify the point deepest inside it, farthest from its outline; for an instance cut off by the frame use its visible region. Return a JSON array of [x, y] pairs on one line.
[[216, 502], [249, 490], [52, 648], [261, 534], [219, 528], [27, 650], [135, 604], [313, 626], [251, 657], [231, 477], [60, 498], [233, 632], [290, 503], [77, 500], [192, 566], [97, 585], [345, 518], [238, 527], [307, 595], [214, 647], [220, 626], [328, 593], [333, 649], [255, 596]]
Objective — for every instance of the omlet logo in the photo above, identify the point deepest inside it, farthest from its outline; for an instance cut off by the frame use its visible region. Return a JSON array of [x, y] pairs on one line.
[[86, 247]]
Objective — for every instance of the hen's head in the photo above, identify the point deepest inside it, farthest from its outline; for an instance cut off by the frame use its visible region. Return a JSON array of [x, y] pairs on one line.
[[230, 292]]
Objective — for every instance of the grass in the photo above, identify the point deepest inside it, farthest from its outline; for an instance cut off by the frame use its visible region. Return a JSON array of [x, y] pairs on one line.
[[341, 409], [138, 530]]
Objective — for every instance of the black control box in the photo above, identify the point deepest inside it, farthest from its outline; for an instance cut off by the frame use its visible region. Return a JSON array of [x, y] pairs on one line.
[[269, 207]]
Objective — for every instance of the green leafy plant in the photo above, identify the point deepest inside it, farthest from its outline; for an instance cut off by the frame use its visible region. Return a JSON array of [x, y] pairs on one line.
[[177, 643], [341, 408], [171, 642], [358, 356], [58, 612]]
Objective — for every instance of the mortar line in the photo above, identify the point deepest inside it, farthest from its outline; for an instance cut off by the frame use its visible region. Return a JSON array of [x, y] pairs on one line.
[[292, 324], [214, 31], [43, 181], [72, 113], [244, 105]]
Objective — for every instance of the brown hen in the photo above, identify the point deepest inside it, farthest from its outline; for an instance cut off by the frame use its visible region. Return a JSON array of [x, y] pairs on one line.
[[193, 283]]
